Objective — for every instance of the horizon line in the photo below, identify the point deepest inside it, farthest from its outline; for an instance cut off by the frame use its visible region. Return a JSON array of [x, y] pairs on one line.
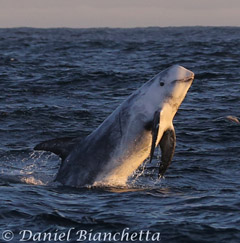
[[137, 27]]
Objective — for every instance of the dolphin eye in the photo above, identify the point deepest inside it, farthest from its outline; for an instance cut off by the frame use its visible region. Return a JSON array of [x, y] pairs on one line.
[[161, 83]]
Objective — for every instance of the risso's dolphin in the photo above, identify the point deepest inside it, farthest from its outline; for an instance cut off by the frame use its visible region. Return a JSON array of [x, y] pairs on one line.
[[127, 137]]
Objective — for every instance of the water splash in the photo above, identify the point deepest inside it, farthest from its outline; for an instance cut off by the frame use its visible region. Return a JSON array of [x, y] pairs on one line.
[[32, 181], [36, 168], [233, 119]]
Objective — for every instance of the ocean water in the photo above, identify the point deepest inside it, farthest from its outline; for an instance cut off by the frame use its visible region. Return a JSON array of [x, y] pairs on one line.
[[65, 82]]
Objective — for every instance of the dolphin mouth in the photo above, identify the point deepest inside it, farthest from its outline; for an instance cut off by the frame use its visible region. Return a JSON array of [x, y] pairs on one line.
[[189, 79], [184, 80]]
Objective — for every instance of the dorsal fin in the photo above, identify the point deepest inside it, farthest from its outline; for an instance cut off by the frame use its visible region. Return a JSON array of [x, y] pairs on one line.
[[59, 146]]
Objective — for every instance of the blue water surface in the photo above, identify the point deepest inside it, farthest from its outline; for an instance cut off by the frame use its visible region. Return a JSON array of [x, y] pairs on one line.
[[65, 82]]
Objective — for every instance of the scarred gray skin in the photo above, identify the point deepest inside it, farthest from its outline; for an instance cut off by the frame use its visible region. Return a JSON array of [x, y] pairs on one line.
[[90, 156], [112, 152]]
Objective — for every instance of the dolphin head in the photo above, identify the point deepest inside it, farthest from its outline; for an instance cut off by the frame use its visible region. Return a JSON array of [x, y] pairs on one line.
[[177, 81], [169, 88], [164, 94]]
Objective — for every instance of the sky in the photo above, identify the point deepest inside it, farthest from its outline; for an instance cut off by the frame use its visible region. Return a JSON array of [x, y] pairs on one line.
[[118, 13]]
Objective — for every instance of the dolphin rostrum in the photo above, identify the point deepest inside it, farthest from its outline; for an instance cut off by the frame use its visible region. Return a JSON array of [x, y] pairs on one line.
[[127, 137]]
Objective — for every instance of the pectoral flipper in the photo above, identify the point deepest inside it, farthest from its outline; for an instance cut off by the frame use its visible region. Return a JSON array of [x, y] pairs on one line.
[[167, 145], [155, 129]]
